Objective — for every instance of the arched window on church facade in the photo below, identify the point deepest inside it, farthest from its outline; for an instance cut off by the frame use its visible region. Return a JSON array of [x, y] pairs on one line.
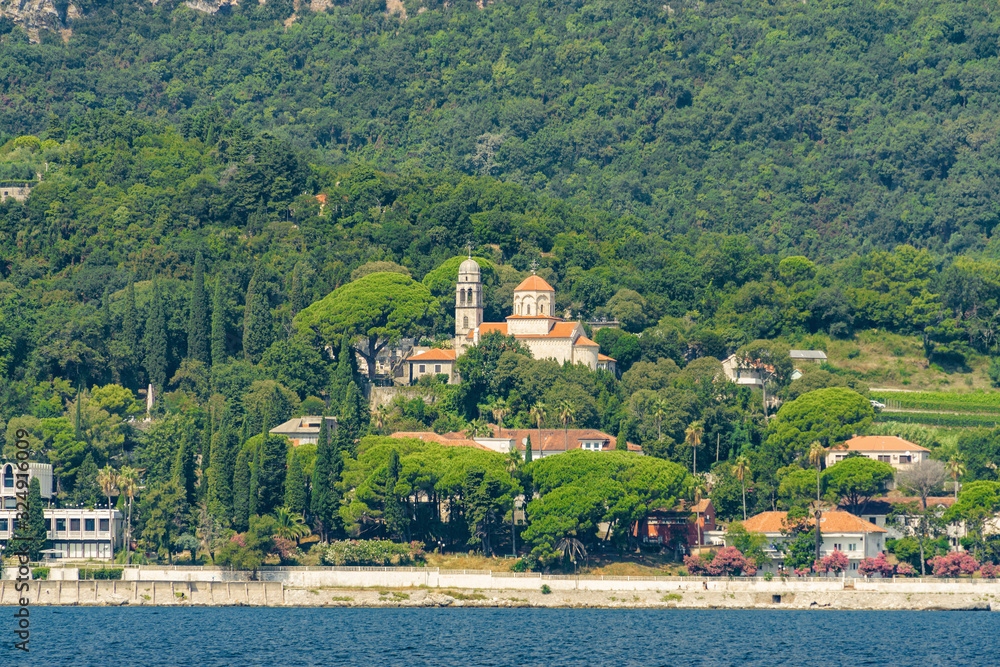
[[461, 296], [465, 322]]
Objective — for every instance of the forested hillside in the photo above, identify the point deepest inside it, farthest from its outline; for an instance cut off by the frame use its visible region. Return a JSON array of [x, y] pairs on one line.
[[824, 127], [717, 176]]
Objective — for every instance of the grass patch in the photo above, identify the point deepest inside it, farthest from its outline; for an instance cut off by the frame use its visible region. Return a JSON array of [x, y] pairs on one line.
[[465, 596], [342, 598], [671, 597], [468, 562]]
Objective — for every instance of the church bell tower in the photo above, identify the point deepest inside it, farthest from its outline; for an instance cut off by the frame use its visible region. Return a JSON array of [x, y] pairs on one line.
[[468, 299]]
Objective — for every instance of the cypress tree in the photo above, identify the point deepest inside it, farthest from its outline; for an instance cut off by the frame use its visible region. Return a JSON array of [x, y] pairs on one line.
[[130, 328], [253, 503], [343, 376], [183, 471], [296, 297], [78, 422], [621, 442], [295, 486], [220, 472], [198, 323], [353, 416], [326, 473], [156, 341], [394, 512], [106, 315], [36, 520], [206, 453], [85, 491], [527, 451], [218, 324], [241, 493], [256, 319]]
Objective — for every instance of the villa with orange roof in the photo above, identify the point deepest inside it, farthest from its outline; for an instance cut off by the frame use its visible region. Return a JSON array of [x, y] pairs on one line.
[[889, 449], [532, 322], [839, 531]]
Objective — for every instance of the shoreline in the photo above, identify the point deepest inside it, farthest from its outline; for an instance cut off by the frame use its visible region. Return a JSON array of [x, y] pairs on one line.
[[276, 594]]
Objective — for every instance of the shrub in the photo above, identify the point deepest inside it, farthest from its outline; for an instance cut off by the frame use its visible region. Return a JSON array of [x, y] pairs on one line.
[[40, 573], [522, 565], [989, 571], [878, 565], [696, 565], [545, 589], [768, 576], [103, 573], [954, 564], [373, 552], [730, 562]]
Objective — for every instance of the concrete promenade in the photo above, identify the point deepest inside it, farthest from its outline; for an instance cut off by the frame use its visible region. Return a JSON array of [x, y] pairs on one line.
[[378, 586]]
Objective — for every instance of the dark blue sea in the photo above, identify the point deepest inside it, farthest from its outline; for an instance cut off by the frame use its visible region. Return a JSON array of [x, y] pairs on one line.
[[205, 637]]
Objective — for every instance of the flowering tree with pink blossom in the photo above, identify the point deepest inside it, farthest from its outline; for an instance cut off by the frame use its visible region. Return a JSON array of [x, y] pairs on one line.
[[989, 571], [953, 564], [696, 565], [905, 570], [836, 562], [730, 562], [802, 571], [878, 565]]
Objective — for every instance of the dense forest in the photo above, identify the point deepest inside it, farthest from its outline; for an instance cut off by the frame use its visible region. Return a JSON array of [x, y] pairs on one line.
[[718, 177], [823, 127]]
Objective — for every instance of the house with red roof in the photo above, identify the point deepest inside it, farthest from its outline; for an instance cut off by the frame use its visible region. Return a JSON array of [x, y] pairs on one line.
[[678, 528], [432, 362], [839, 531], [889, 449]]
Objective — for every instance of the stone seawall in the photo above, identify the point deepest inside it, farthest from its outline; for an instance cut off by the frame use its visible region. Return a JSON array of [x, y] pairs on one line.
[[419, 587]]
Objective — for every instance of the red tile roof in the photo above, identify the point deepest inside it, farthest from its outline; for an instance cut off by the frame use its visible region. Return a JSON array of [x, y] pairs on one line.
[[830, 522], [434, 355], [533, 284], [560, 329], [604, 357], [586, 342], [882, 443], [430, 436], [488, 327]]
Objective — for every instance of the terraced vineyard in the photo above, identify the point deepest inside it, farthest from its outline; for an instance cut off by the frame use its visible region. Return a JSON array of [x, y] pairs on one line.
[[940, 408]]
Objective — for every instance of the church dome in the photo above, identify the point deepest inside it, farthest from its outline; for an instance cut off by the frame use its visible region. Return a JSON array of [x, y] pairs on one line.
[[469, 266]]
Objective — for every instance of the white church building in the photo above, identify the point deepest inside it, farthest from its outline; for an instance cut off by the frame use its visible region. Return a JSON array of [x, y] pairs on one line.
[[532, 322]]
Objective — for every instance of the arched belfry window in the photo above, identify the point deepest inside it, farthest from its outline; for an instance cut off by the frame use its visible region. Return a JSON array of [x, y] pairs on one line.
[[461, 296], [465, 322], [470, 296]]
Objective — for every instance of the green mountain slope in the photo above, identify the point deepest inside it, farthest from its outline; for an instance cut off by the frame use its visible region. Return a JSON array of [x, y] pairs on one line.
[[824, 127]]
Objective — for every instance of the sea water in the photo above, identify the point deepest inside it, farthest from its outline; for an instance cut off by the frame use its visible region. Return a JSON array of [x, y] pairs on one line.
[[206, 637]]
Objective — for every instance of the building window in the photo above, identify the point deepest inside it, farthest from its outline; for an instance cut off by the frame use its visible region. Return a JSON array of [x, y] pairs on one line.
[[852, 547], [461, 296], [854, 566], [74, 525], [61, 525], [885, 458], [904, 459], [465, 322], [10, 503], [541, 309], [836, 547], [104, 525], [3, 525], [437, 368], [8, 477], [840, 457], [88, 525], [422, 368], [48, 525]]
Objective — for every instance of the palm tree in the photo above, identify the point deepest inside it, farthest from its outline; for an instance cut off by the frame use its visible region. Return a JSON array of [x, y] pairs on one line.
[[740, 469], [566, 414], [692, 436], [660, 408], [499, 409], [479, 428], [108, 480], [128, 483], [572, 548], [290, 525], [817, 454], [956, 468], [538, 415], [698, 492], [381, 417]]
